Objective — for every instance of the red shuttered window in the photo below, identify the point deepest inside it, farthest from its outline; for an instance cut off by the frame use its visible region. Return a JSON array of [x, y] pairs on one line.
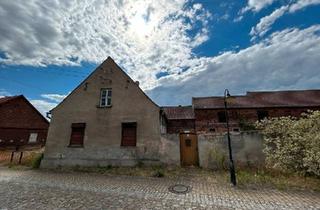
[[77, 134], [129, 134]]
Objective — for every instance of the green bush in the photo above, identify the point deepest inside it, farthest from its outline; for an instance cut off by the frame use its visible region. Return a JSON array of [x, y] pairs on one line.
[[293, 145], [36, 161]]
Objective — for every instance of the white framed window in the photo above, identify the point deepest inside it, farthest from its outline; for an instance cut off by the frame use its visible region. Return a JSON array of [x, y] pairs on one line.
[[105, 97], [33, 138]]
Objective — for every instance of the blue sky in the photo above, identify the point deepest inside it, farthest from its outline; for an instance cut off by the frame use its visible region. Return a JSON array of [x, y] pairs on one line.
[[176, 49]]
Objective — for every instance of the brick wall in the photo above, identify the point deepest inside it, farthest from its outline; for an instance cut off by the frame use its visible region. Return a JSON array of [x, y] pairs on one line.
[[18, 113], [18, 119], [207, 119], [176, 126]]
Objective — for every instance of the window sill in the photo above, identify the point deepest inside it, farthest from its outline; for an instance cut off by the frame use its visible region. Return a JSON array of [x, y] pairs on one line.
[[102, 107]]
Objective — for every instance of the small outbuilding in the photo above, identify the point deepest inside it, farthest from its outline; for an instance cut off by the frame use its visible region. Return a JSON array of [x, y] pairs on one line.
[[22, 126]]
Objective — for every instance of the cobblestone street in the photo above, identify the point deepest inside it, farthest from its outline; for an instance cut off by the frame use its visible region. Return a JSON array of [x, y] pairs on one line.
[[37, 189]]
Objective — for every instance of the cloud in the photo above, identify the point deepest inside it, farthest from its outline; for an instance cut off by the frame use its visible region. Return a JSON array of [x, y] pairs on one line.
[[43, 106], [287, 59], [146, 37], [54, 97], [256, 5], [266, 22], [302, 4]]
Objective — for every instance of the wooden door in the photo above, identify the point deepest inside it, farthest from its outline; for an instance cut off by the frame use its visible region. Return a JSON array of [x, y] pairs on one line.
[[189, 149]]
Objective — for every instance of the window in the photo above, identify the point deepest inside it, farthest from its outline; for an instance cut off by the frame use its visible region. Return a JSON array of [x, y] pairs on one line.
[[129, 134], [188, 142], [262, 114], [212, 130], [105, 97], [77, 134], [33, 137], [236, 130], [222, 117]]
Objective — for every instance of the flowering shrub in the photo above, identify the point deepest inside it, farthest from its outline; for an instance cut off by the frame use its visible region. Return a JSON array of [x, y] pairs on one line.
[[291, 144]]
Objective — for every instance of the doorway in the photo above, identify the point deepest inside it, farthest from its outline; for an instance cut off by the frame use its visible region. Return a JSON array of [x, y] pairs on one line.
[[189, 149]]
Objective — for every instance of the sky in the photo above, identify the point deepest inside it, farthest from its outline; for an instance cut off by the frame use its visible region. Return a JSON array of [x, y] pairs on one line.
[[176, 49]]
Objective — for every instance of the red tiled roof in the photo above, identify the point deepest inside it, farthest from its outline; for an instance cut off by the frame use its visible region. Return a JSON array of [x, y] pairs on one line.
[[178, 112], [302, 98], [7, 98]]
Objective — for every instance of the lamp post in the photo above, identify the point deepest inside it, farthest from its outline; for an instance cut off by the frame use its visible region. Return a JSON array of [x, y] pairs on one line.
[[231, 164]]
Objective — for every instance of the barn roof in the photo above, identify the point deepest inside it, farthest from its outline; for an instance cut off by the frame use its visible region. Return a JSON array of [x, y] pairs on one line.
[[178, 112], [297, 98], [7, 98]]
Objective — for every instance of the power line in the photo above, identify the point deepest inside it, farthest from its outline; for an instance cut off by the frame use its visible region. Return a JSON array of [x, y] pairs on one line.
[[23, 84]]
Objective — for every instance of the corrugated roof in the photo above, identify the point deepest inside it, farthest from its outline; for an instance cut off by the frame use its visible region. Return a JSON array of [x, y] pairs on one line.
[[178, 112], [299, 98]]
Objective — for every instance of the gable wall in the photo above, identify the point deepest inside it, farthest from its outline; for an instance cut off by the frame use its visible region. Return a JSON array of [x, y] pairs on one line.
[[103, 125], [17, 113]]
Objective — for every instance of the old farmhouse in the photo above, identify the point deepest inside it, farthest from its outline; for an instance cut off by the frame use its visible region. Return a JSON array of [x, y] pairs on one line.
[[106, 120], [22, 127], [109, 120]]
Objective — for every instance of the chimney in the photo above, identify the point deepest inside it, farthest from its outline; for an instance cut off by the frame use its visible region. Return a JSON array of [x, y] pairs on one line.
[[137, 83]]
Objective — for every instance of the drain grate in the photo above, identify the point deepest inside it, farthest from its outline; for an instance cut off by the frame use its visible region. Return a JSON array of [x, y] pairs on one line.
[[179, 189]]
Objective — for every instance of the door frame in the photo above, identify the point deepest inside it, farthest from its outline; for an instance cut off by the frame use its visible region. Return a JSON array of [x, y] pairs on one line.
[[197, 147]]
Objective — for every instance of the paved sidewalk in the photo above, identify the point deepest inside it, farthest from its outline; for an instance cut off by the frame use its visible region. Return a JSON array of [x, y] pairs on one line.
[[53, 190]]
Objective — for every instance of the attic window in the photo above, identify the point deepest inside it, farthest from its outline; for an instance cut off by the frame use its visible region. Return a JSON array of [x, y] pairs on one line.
[[105, 97]]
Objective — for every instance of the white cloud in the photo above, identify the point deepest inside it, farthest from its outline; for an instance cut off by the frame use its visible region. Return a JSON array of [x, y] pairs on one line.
[[144, 36], [266, 22], [43, 106], [288, 59], [54, 97], [257, 5], [302, 4]]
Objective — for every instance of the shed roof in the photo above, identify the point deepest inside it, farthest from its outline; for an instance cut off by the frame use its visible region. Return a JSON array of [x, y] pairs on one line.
[[7, 98], [297, 98], [178, 112]]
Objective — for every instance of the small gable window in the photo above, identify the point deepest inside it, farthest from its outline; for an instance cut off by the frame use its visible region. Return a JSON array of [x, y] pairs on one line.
[[105, 97]]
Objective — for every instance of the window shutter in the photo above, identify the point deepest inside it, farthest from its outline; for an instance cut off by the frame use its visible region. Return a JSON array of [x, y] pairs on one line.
[[77, 134], [129, 134]]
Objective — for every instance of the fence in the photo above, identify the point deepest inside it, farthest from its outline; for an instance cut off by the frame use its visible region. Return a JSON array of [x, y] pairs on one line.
[[27, 157]]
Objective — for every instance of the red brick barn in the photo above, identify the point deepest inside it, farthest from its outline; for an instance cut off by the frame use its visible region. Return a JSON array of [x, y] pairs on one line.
[[22, 126], [244, 110]]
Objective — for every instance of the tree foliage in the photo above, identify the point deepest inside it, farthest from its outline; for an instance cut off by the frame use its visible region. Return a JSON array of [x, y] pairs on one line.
[[293, 145]]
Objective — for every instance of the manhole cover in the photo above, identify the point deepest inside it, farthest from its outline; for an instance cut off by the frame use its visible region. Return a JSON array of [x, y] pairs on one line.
[[179, 189]]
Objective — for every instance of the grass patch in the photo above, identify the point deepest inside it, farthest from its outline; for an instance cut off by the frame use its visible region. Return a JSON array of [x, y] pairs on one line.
[[36, 161], [143, 171], [277, 180]]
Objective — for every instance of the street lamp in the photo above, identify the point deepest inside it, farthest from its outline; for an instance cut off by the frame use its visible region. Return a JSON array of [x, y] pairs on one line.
[[231, 164]]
